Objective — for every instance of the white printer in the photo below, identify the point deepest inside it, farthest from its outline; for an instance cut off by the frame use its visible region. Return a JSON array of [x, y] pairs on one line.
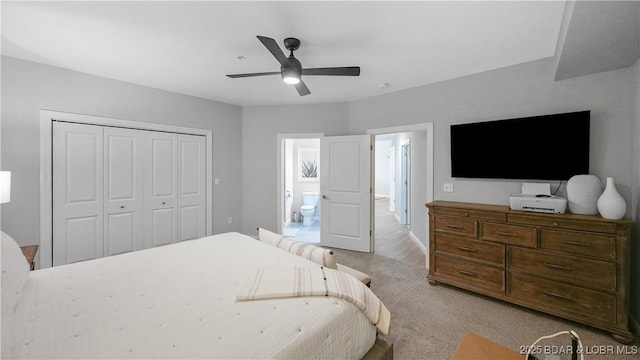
[[538, 203], [537, 198]]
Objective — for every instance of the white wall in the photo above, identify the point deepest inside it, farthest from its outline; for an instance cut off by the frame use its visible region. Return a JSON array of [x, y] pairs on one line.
[[28, 87], [382, 165], [260, 127], [520, 90]]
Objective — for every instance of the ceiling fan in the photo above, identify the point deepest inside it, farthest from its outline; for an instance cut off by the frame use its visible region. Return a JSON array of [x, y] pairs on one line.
[[291, 68]]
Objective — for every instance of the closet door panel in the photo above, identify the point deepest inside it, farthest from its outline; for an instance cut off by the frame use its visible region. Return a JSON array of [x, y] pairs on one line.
[[163, 226], [191, 187], [124, 195], [78, 200], [160, 188]]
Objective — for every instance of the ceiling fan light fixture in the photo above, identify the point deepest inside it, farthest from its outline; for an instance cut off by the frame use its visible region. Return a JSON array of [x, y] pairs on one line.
[[290, 76]]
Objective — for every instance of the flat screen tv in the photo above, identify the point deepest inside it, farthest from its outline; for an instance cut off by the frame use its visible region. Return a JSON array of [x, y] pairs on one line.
[[548, 147]]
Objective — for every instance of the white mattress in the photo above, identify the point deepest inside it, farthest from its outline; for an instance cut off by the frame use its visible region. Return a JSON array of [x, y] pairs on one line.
[[178, 301]]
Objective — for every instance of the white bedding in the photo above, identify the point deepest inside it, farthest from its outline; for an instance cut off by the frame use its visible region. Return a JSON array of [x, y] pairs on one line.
[[178, 301]]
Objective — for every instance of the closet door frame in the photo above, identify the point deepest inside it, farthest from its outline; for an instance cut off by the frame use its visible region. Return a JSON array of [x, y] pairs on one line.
[[47, 117]]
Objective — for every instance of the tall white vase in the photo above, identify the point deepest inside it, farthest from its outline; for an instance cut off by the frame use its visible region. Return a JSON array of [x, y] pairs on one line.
[[583, 192], [610, 204]]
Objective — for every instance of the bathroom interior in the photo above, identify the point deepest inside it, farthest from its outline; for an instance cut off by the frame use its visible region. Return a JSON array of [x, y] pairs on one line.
[[302, 189]]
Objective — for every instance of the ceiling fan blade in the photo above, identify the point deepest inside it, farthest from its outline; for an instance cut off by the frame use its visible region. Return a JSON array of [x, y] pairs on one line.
[[273, 48], [334, 71], [234, 76], [302, 88]]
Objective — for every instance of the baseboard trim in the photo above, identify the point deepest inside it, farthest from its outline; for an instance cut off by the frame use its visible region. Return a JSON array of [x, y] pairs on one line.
[[417, 241]]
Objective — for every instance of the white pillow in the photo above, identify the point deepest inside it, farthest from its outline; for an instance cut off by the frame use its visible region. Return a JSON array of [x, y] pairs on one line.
[[316, 254], [15, 273], [269, 237]]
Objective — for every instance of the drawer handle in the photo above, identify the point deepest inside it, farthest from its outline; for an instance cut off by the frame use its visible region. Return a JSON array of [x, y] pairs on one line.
[[578, 243], [456, 226], [466, 214], [468, 249], [468, 273], [554, 266], [505, 233], [561, 296]]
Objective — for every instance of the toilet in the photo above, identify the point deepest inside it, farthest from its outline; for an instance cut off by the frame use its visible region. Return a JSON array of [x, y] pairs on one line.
[[308, 208]]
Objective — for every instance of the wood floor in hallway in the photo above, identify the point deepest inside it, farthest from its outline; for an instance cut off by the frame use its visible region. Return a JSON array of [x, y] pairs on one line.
[[392, 238]]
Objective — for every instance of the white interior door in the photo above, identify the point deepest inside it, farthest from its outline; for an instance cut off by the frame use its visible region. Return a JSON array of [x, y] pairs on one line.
[[191, 187], [78, 179], [392, 177], [123, 190], [345, 184], [405, 186], [160, 188]]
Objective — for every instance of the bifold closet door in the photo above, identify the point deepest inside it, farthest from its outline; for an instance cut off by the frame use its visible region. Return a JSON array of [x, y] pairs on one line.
[[160, 188], [123, 190], [191, 187], [117, 190], [78, 192]]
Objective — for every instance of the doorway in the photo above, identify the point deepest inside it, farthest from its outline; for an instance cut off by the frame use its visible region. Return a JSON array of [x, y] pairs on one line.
[[404, 167], [299, 187]]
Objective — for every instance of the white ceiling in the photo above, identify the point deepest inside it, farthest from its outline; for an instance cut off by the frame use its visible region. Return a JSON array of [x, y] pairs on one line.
[[188, 47]]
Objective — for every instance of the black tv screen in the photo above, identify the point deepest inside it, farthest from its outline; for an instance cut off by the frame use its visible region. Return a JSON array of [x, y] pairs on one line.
[[548, 147]]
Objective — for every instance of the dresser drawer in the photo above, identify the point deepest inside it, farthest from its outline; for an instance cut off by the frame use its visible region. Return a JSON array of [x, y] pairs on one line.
[[476, 214], [599, 246], [475, 275], [574, 269], [510, 234], [548, 294], [472, 249], [564, 223], [456, 225]]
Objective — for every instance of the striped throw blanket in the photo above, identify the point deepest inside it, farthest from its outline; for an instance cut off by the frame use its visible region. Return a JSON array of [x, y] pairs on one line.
[[317, 281]]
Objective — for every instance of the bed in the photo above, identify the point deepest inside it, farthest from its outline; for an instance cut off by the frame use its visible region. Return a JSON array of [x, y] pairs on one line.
[[176, 301]]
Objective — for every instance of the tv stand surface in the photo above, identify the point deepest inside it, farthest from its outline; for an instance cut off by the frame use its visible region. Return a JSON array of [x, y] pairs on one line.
[[572, 266]]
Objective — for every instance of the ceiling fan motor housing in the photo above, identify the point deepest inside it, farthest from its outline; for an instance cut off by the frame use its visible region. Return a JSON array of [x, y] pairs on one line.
[[291, 44], [291, 68]]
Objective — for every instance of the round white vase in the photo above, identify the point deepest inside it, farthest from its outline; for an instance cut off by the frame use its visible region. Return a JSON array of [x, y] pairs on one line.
[[583, 192], [611, 204]]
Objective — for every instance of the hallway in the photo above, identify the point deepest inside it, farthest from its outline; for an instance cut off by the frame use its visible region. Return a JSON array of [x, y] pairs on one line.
[[392, 238]]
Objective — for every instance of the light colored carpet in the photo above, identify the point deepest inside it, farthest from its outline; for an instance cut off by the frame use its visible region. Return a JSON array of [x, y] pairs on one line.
[[427, 321]]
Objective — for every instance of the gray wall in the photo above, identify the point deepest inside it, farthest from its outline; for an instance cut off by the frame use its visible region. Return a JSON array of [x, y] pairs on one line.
[[523, 90], [520, 90], [28, 87], [260, 127]]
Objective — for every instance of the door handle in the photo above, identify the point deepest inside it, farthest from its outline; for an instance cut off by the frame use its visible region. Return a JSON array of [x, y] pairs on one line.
[[559, 267], [506, 233]]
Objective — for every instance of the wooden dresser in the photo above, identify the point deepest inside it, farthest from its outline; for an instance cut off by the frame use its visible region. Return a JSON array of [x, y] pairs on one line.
[[572, 266]]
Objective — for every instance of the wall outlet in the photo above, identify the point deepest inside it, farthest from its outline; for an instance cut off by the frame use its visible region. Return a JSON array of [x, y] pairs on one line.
[[230, 220], [216, 181], [448, 187]]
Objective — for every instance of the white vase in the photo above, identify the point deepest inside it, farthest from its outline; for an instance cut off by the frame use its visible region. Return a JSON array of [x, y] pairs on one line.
[[583, 192], [610, 204]]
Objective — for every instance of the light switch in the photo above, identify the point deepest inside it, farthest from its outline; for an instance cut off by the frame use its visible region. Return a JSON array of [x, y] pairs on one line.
[[448, 187]]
